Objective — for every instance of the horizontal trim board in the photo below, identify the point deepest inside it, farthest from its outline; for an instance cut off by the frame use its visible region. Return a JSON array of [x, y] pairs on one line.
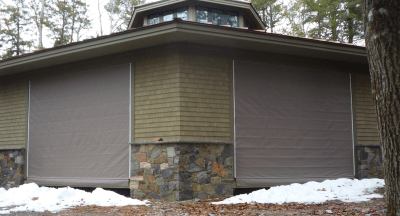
[[182, 142], [11, 148]]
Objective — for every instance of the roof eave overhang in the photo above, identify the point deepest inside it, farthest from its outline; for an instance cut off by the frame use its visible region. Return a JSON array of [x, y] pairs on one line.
[[178, 31]]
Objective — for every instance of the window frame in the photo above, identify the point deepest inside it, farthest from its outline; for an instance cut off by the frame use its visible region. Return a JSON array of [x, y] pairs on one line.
[[211, 12], [160, 15]]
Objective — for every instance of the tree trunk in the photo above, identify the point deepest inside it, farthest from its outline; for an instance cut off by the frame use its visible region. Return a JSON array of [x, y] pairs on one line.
[[271, 21], [101, 25], [319, 26], [350, 30], [350, 24], [62, 31], [18, 37], [41, 24], [73, 22], [382, 33]]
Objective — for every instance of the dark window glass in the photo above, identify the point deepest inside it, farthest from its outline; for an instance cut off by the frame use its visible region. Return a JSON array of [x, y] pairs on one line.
[[247, 24], [168, 16], [217, 16], [201, 15], [182, 13], [154, 19]]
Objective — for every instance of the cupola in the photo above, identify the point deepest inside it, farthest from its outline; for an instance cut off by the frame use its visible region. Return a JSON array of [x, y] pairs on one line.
[[228, 13]]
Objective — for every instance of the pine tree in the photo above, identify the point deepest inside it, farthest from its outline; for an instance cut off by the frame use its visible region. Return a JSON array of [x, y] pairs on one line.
[[270, 12], [353, 25], [14, 22], [120, 12], [317, 15], [334, 18], [295, 14], [79, 19], [68, 18], [113, 9], [38, 7], [59, 21]]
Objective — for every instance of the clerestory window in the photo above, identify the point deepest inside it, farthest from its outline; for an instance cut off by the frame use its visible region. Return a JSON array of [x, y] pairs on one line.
[[217, 16], [168, 15]]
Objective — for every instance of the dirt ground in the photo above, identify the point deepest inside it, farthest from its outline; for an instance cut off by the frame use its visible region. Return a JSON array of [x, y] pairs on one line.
[[204, 207]]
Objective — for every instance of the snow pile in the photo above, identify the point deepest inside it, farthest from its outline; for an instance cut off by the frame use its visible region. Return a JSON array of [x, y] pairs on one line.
[[346, 190], [31, 197]]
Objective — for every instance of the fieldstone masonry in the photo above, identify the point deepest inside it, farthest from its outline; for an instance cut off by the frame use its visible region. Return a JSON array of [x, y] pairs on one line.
[[369, 161], [181, 170], [12, 163]]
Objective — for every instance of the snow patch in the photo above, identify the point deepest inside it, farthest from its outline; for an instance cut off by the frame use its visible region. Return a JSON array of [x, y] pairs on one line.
[[31, 197], [346, 190]]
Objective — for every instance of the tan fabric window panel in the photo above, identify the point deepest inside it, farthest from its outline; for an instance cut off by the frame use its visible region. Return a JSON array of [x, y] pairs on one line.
[[79, 128], [293, 125]]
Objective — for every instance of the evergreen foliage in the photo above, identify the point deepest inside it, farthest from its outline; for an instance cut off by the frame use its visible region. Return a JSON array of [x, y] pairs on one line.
[[68, 18], [13, 23], [120, 12], [336, 20], [270, 12], [295, 14], [39, 10]]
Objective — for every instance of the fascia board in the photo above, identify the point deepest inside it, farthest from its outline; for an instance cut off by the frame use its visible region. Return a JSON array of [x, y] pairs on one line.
[[114, 44], [263, 38], [228, 3], [255, 15], [184, 32]]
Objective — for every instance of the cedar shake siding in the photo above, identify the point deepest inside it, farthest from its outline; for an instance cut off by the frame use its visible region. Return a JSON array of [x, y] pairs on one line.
[[365, 117], [157, 111], [13, 113], [204, 89], [181, 97]]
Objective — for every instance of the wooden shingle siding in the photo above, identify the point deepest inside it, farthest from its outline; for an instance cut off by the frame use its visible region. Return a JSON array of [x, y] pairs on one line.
[[365, 117], [205, 110], [13, 113], [181, 97], [156, 96]]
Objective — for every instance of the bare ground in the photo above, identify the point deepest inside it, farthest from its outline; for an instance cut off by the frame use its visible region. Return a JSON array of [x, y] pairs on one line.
[[204, 207]]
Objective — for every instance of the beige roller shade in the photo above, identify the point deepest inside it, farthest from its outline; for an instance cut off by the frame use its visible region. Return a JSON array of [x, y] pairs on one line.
[[292, 124], [79, 128]]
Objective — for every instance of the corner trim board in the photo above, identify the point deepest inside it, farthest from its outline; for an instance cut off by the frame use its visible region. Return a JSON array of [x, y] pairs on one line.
[[352, 125], [27, 142], [234, 119]]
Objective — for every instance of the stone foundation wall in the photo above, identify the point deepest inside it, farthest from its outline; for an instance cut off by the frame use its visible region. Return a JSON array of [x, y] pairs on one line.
[[12, 162], [369, 161], [181, 170]]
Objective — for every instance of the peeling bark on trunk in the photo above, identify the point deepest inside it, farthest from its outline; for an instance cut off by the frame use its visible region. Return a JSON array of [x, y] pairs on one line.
[[382, 33]]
